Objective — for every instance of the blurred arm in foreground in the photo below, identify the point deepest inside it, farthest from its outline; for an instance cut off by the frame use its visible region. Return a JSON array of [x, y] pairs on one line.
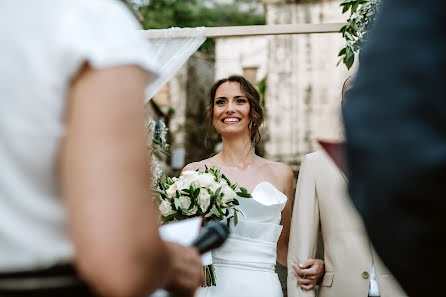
[[106, 183]]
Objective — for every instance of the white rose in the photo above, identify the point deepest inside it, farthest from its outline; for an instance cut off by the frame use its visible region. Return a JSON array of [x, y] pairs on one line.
[[188, 177], [205, 179], [228, 195], [166, 209], [214, 186], [185, 203], [171, 191], [204, 199]]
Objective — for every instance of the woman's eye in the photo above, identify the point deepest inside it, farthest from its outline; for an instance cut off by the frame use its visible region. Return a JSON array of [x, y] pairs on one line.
[[220, 102], [241, 101]]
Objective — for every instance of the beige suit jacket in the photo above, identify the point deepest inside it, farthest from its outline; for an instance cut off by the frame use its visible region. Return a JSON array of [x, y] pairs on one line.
[[321, 203]]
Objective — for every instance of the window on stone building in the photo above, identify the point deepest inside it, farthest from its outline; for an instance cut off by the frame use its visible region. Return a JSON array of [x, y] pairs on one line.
[[250, 73]]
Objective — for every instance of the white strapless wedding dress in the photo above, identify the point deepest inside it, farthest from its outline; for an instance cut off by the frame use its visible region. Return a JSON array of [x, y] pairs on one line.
[[245, 264]]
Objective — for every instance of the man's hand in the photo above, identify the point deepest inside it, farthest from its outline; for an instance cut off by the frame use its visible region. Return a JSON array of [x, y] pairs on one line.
[[309, 273], [187, 270]]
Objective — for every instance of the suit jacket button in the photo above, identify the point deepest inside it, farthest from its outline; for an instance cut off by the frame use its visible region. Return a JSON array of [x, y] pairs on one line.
[[365, 275]]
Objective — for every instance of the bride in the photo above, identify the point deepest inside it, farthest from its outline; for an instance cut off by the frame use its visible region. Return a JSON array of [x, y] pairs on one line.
[[245, 264]]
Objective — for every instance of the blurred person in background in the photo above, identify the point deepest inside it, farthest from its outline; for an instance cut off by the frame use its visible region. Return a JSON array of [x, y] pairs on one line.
[[396, 141], [76, 210]]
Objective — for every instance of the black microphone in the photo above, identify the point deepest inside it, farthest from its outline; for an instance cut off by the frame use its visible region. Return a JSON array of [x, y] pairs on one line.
[[211, 236]]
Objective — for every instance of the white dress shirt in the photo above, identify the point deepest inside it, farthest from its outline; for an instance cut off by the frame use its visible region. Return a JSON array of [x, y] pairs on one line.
[[373, 289], [43, 45]]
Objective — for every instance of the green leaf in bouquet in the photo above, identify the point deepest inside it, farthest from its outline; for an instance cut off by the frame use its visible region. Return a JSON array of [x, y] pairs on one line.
[[233, 187], [197, 192], [163, 179], [177, 203], [187, 191], [235, 202], [226, 179], [235, 218], [213, 211], [220, 212], [192, 204], [243, 190], [178, 194], [244, 195], [240, 211], [217, 192]]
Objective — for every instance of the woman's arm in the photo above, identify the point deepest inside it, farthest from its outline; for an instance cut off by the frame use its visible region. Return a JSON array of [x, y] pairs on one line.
[[287, 179], [105, 179]]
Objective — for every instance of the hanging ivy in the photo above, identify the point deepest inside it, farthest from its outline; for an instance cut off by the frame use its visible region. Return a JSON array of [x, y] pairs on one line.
[[362, 15]]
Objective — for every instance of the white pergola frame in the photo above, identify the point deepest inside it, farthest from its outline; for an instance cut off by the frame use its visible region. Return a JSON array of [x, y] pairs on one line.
[[238, 31]]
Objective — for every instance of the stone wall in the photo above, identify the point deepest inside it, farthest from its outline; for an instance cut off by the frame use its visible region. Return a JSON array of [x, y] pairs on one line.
[[304, 84], [238, 55]]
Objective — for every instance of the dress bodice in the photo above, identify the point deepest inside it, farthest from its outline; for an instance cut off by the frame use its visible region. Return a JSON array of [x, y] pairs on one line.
[[252, 242], [265, 206]]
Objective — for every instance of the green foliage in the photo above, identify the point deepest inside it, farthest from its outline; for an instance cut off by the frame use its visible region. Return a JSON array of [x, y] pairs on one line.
[[261, 86], [362, 14], [163, 14]]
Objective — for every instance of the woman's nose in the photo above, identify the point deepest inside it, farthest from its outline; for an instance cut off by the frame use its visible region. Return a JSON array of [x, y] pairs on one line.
[[230, 107]]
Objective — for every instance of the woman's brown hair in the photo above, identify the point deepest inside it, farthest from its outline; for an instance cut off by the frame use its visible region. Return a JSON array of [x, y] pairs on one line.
[[253, 96]]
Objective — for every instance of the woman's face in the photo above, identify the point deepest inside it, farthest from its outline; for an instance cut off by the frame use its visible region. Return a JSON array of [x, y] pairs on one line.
[[231, 109]]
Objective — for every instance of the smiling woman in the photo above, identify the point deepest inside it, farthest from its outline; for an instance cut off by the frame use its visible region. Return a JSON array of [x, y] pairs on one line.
[[231, 96], [245, 263]]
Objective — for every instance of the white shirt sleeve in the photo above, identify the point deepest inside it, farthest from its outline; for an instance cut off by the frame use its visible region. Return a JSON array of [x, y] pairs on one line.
[[104, 33], [373, 288]]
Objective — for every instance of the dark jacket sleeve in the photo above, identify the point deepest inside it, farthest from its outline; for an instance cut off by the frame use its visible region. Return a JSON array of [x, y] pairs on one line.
[[395, 120]]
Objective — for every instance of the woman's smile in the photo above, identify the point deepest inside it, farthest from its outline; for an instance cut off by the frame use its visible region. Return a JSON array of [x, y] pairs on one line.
[[230, 120]]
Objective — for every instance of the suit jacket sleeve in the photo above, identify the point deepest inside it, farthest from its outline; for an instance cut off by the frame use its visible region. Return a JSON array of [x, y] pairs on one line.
[[304, 226]]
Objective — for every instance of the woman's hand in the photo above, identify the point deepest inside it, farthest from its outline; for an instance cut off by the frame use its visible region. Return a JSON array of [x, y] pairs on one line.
[[187, 274], [309, 273]]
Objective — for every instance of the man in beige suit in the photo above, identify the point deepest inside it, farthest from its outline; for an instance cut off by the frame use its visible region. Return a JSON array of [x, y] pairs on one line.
[[352, 268]]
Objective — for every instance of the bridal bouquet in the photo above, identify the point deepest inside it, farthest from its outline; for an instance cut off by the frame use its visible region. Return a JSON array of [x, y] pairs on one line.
[[208, 194]]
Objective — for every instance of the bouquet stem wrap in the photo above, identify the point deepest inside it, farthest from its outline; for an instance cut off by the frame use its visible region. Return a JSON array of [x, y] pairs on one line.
[[209, 276]]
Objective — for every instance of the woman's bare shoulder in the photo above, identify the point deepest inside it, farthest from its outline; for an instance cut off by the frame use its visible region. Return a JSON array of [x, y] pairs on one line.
[[279, 169], [280, 173]]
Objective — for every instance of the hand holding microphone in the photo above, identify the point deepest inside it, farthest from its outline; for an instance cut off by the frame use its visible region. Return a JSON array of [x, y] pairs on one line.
[[188, 271], [211, 237]]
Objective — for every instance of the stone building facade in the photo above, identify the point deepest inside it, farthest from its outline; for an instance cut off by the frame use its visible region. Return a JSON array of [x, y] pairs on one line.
[[247, 56], [303, 84]]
